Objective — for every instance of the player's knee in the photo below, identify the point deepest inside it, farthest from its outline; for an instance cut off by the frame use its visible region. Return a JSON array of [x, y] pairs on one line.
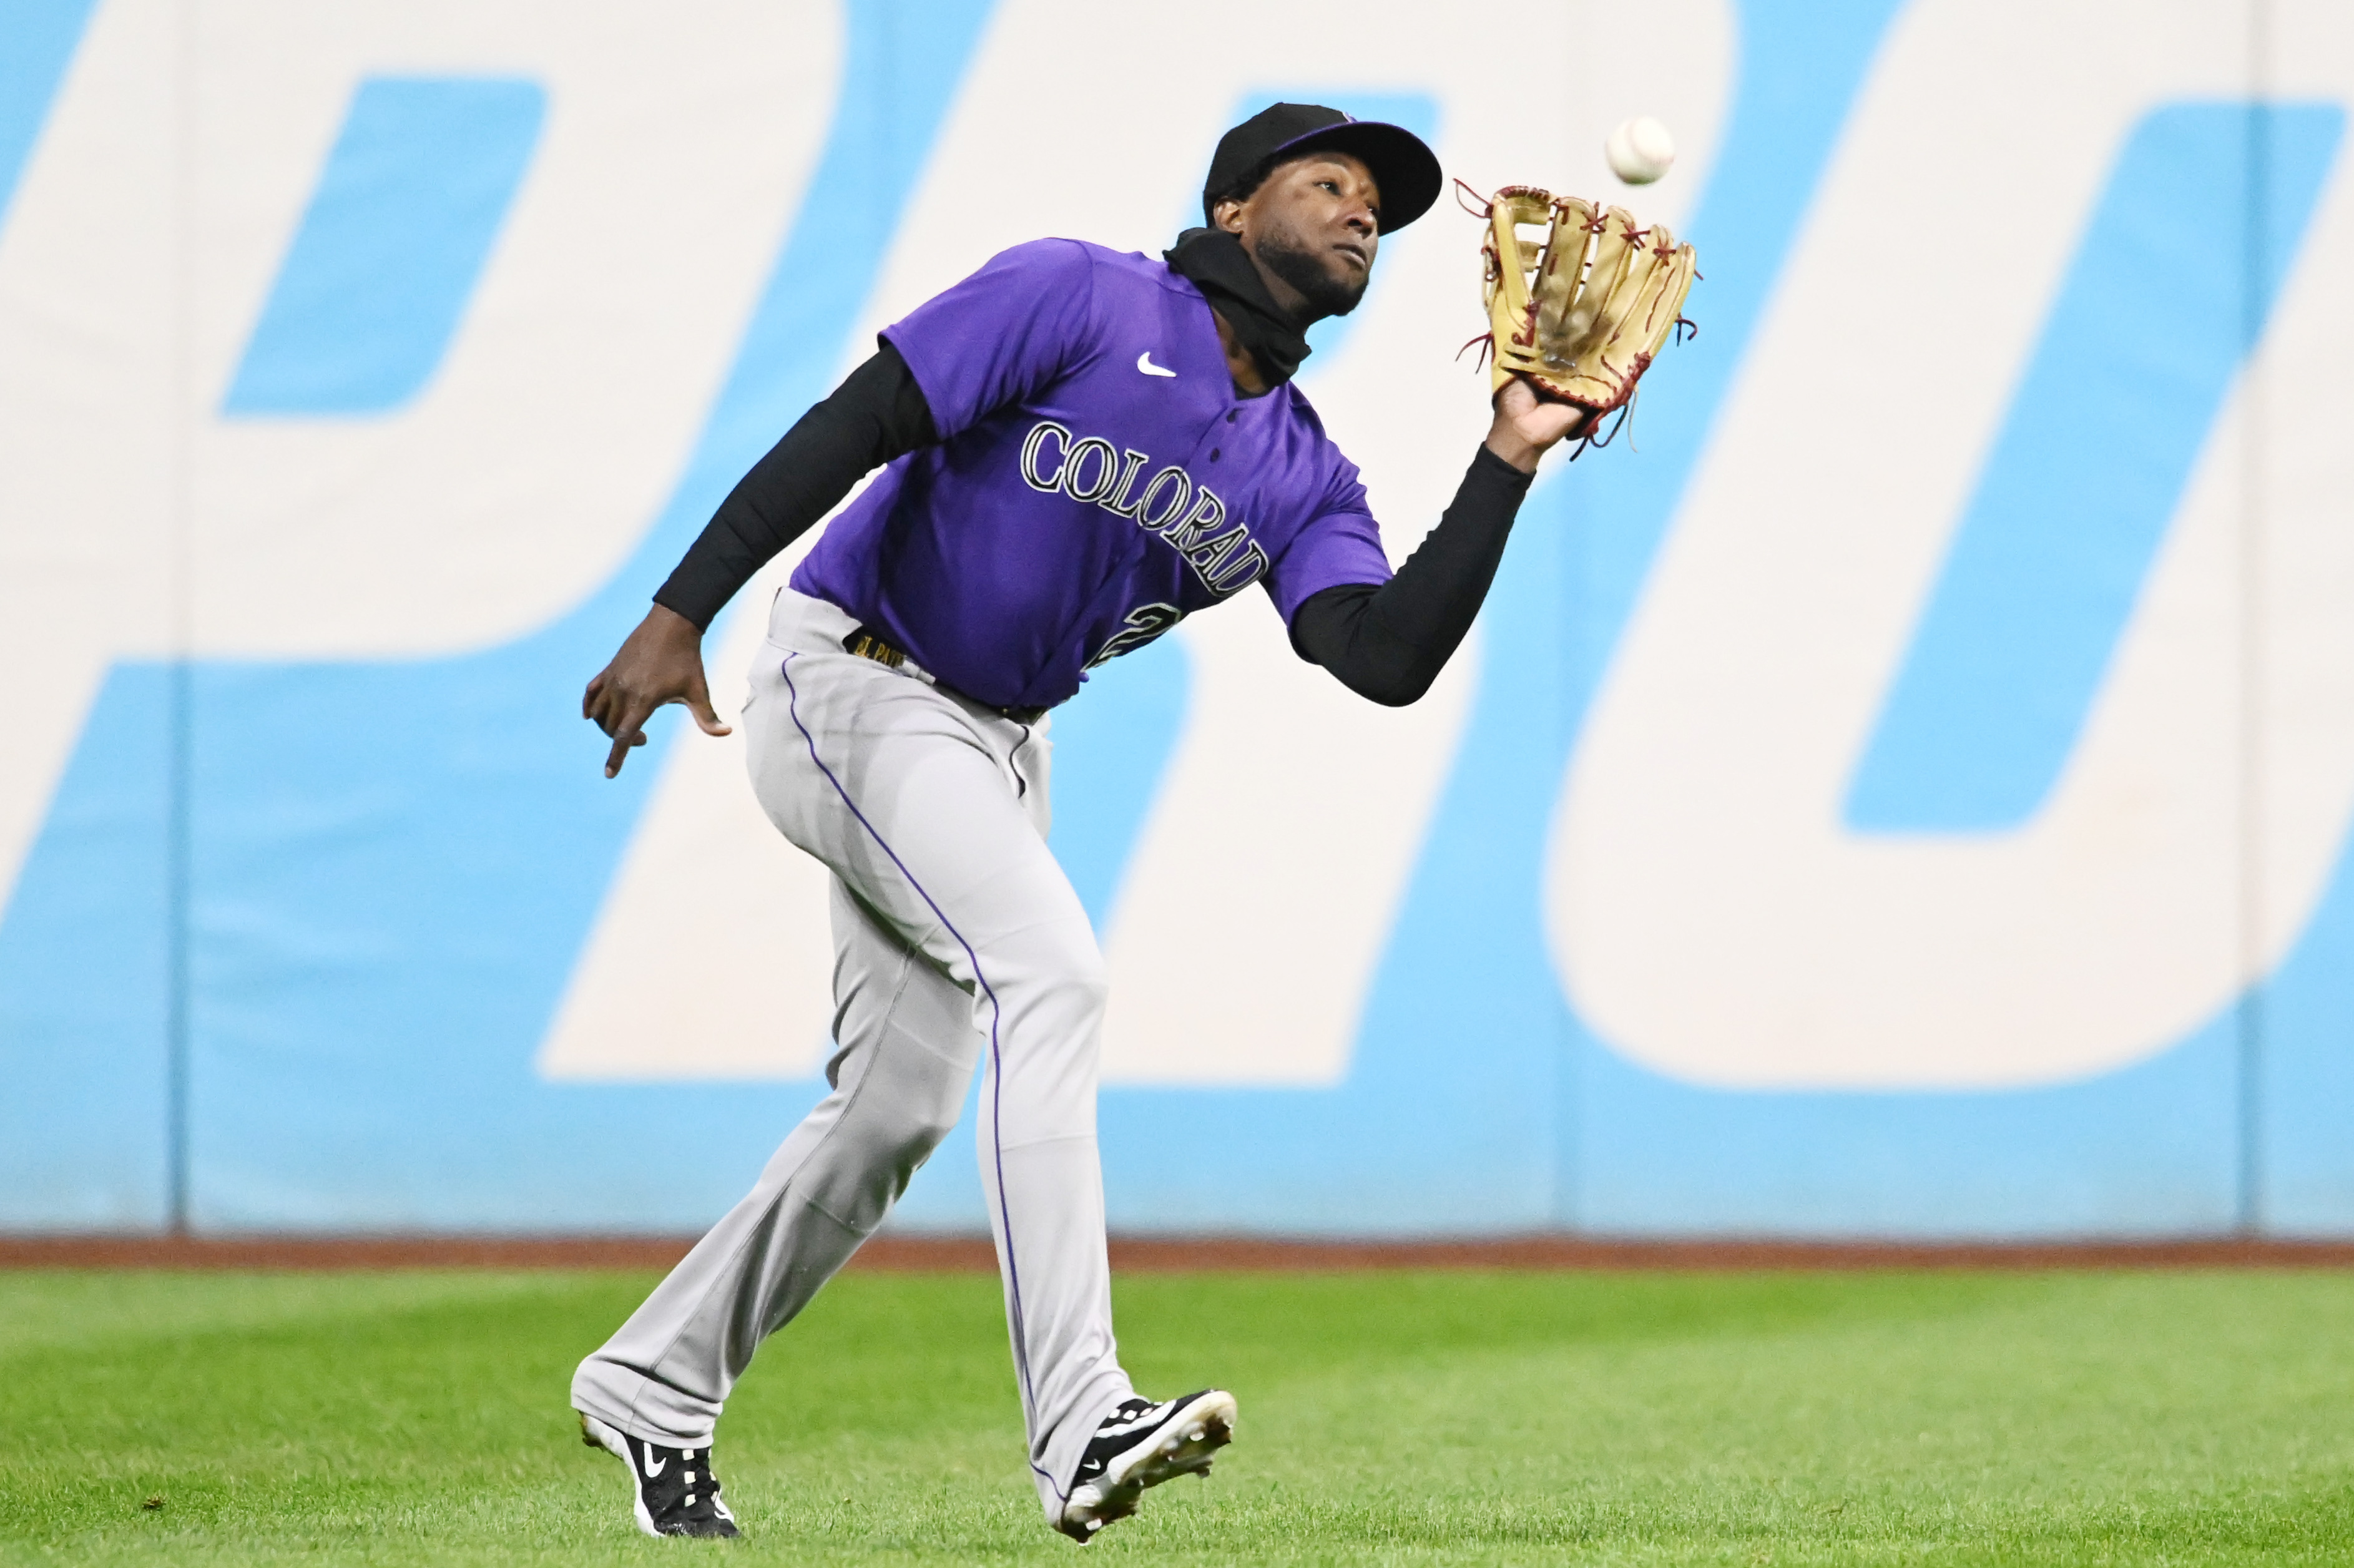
[[913, 1112], [1082, 981], [887, 1146], [922, 1130]]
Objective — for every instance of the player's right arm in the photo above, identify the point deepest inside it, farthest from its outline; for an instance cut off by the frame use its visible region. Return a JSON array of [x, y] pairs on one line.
[[876, 414], [985, 342]]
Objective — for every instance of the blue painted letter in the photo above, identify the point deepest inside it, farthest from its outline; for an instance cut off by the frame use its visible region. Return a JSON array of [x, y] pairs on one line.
[[2164, 301], [394, 239]]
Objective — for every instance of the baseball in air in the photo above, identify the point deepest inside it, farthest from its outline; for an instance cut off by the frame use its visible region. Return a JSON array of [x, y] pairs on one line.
[[1640, 150]]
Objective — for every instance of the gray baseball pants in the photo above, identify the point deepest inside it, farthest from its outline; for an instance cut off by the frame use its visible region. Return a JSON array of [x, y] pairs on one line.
[[957, 941]]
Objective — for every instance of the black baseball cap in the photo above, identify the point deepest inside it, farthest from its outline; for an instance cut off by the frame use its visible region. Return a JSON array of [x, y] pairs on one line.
[[1407, 170]]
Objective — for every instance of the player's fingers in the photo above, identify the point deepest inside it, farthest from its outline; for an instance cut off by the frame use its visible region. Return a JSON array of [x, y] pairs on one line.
[[589, 698], [628, 730], [610, 709], [610, 705], [620, 752], [707, 717], [618, 708]]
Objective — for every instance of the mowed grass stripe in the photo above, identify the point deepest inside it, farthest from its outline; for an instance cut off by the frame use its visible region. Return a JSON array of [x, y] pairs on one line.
[[1387, 1417]]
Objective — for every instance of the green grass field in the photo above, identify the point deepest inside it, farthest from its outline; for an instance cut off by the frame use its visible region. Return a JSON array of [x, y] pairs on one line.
[[1788, 1419]]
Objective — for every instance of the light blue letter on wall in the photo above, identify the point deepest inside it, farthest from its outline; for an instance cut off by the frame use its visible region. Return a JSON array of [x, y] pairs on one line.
[[392, 246]]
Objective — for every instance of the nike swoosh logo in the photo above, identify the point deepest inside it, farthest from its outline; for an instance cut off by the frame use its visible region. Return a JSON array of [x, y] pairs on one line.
[[1144, 363], [654, 1467]]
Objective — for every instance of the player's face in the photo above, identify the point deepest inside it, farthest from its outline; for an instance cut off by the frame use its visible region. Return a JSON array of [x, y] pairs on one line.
[[1316, 224]]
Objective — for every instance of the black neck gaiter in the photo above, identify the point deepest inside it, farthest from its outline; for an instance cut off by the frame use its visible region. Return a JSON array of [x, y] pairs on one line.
[[1216, 263]]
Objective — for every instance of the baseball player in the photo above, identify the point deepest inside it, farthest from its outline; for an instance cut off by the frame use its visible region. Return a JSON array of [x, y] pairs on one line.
[[1083, 447]]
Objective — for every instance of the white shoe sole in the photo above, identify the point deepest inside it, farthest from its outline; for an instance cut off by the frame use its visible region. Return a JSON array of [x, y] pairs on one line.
[[596, 1434], [1184, 1446]]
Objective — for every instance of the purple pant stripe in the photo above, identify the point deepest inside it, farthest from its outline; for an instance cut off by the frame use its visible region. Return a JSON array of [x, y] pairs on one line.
[[996, 1061]]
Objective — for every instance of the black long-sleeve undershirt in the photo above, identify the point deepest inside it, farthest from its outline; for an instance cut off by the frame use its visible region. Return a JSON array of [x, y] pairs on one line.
[[1386, 643], [878, 413]]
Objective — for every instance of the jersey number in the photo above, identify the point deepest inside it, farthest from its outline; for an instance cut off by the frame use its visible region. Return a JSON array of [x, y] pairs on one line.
[[1142, 625]]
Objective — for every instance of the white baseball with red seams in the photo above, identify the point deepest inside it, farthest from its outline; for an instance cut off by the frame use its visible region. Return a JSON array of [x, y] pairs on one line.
[[1640, 150]]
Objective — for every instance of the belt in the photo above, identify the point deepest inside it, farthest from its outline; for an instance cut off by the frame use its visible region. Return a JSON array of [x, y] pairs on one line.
[[869, 643]]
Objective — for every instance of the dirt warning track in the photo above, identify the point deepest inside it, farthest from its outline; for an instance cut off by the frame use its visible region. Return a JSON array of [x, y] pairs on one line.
[[1168, 1254]]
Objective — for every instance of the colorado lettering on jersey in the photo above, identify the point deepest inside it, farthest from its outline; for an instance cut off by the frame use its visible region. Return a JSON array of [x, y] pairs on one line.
[[1192, 520]]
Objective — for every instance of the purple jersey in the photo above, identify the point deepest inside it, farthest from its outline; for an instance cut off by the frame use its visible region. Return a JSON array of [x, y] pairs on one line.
[[1097, 480]]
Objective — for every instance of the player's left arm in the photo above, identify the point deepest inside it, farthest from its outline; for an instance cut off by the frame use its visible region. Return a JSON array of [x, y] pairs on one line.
[[1388, 641]]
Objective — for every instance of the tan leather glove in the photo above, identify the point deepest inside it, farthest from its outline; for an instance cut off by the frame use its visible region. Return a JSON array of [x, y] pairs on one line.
[[1583, 311]]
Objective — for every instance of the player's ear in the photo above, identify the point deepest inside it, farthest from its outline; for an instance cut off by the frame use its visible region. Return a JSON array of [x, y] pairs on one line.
[[1228, 215]]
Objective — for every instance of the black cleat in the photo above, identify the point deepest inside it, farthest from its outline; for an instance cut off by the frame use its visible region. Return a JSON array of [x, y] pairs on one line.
[[673, 1488], [1142, 1445]]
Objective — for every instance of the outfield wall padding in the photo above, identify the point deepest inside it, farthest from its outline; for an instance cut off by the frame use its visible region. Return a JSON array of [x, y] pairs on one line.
[[1899, 790]]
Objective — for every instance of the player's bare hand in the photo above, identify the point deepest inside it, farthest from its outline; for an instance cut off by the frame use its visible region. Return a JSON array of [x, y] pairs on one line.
[[660, 662], [1528, 424]]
